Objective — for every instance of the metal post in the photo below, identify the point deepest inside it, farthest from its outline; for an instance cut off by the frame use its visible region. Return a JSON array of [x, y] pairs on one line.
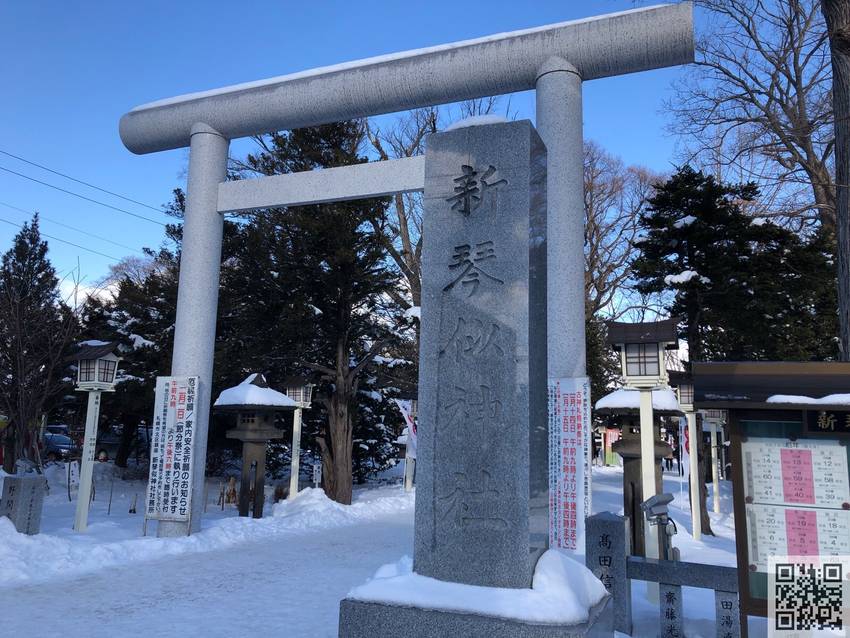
[[647, 473], [197, 297], [81, 520], [296, 454], [715, 479], [693, 470], [559, 123]]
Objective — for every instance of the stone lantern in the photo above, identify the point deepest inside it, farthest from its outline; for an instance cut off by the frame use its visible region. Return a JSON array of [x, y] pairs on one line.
[[641, 347], [256, 406]]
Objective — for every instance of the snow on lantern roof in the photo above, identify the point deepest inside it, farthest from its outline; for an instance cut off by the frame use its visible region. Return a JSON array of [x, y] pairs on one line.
[[254, 392], [625, 400]]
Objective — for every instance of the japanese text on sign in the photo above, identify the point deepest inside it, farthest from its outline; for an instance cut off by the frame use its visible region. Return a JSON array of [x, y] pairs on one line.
[[569, 468], [172, 449]]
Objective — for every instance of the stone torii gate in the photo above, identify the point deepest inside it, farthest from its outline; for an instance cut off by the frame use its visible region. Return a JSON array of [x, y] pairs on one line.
[[554, 60]]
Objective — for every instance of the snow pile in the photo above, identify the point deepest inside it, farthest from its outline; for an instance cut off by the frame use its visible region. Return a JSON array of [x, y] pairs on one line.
[[476, 120], [563, 591], [313, 509], [414, 311], [684, 277], [629, 399], [246, 393], [685, 221], [43, 557], [830, 399]]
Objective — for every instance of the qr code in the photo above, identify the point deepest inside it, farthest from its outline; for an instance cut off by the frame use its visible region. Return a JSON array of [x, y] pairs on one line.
[[808, 596]]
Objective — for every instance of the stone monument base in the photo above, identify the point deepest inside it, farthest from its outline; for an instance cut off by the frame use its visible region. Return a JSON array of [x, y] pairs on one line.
[[362, 619]]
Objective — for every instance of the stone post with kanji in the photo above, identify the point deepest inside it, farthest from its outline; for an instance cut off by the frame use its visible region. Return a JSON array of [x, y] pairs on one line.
[[482, 475]]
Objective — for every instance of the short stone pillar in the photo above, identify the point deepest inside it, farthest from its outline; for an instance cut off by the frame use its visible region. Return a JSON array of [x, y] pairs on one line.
[[23, 497], [255, 405], [628, 447], [606, 554]]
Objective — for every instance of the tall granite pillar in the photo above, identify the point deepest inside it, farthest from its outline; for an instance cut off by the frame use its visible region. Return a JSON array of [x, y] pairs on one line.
[[482, 475], [482, 485]]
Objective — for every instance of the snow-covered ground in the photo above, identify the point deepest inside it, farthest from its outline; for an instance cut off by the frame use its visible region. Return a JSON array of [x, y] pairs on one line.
[[284, 574]]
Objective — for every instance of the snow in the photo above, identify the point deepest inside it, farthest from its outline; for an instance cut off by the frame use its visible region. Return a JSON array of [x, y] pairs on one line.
[[366, 62], [629, 399], [562, 591], [476, 120], [685, 221], [246, 393], [830, 399], [414, 311], [94, 343], [288, 570], [139, 341], [684, 277]]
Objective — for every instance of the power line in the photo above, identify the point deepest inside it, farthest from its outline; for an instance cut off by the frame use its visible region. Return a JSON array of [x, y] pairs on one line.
[[79, 181], [79, 230], [88, 199], [64, 241]]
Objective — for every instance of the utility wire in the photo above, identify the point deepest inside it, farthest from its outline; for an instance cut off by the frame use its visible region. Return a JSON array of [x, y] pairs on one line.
[[79, 181], [64, 241], [88, 199], [79, 230]]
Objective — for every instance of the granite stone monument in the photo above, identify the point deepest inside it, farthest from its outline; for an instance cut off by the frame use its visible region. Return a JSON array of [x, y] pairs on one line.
[[482, 502], [482, 497], [23, 497]]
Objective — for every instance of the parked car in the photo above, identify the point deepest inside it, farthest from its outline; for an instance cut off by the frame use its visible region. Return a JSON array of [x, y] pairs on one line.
[[109, 441], [58, 447]]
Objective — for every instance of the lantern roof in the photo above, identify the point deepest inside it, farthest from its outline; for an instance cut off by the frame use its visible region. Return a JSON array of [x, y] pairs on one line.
[[93, 349], [664, 331], [253, 393], [627, 401]]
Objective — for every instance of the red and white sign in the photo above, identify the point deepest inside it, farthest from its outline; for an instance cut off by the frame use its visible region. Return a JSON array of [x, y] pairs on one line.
[[172, 449], [569, 462]]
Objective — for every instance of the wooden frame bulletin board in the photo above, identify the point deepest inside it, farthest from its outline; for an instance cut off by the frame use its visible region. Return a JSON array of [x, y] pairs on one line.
[[766, 498]]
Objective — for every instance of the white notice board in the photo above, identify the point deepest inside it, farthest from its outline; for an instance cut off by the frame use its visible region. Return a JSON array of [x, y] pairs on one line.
[[169, 495], [796, 495]]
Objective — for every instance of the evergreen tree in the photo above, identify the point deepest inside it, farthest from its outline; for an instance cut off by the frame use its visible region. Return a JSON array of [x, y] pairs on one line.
[[140, 317], [36, 328], [745, 289], [329, 267]]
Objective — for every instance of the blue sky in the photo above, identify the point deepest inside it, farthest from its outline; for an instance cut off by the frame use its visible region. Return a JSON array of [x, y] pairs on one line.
[[68, 71]]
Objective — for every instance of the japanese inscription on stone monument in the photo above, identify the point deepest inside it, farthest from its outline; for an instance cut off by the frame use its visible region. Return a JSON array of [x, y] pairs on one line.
[[481, 496]]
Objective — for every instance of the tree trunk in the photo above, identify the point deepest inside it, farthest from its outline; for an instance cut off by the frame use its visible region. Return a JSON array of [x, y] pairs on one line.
[[9, 449], [128, 435], [705, 520], [336, 457], [837, 14]]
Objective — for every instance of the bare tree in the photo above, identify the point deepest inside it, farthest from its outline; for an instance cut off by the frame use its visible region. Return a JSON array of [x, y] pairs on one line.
[[837, 14], [404, 239], [613, 198], [759, 100], [406, 138]]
